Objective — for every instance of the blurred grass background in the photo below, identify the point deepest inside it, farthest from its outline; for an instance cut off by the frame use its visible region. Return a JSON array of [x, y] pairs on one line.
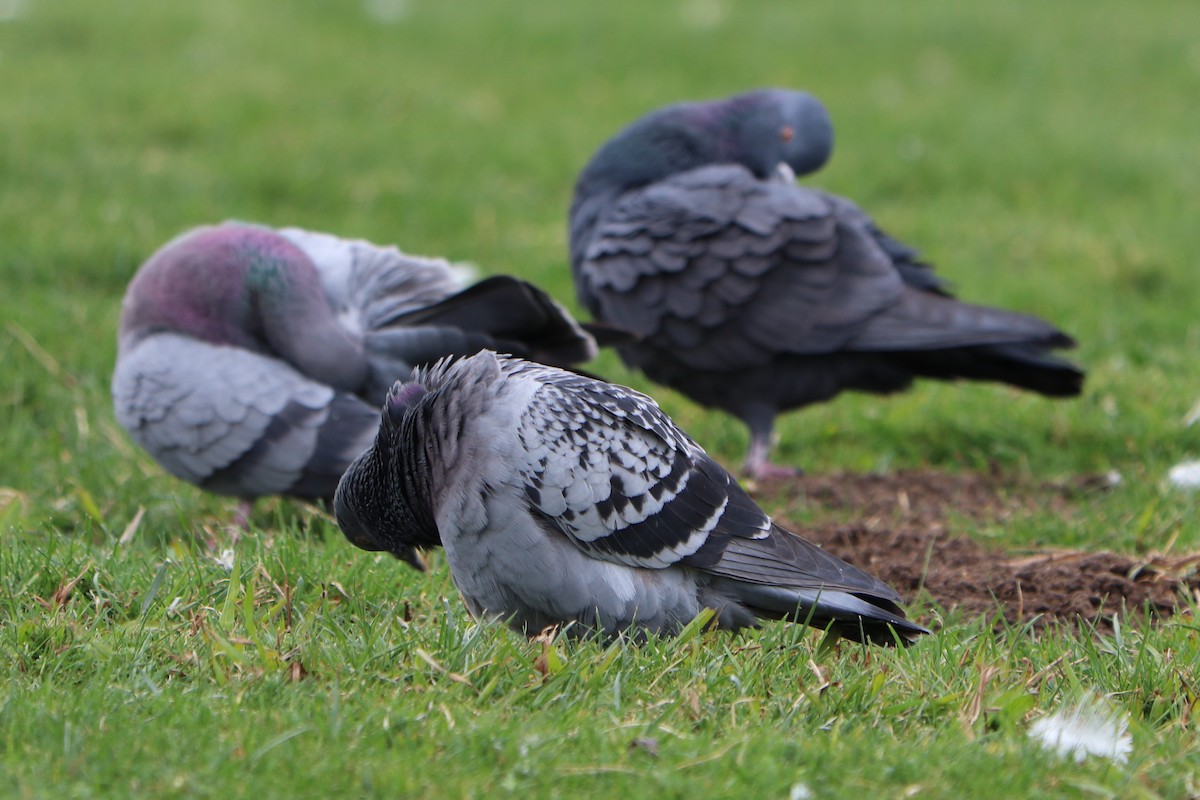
[[1042, 154]]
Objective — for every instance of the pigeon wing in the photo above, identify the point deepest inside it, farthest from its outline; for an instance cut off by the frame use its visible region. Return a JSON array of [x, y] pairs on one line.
[[236, 422], [607, 468], [914, 270], [517, 316]]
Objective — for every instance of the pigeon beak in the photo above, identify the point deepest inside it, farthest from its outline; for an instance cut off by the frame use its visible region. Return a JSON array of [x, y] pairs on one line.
[[785, 172], [409, 556]]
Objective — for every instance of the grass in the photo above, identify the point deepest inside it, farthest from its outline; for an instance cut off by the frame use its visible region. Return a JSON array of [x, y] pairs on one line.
[[1042, 154]]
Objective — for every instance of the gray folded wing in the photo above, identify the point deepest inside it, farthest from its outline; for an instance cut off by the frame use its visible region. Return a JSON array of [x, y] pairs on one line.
[[914, 270], [728, 271], [236, 422], [609, 470], [368, 285]]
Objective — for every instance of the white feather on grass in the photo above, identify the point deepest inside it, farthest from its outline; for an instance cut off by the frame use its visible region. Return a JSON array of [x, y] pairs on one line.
[[1185, 475], [224, 560], [1088, 727]]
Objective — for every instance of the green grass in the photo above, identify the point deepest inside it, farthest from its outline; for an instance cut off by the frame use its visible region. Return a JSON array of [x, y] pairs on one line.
[[1042, 154]]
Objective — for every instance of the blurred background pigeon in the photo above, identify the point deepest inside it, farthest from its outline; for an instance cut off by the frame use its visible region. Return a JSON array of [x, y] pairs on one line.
[[563, 499], [754, 295], [252, 361]]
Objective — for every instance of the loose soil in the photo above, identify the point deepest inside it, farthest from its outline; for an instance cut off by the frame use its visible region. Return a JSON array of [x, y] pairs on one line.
[[902, 528]]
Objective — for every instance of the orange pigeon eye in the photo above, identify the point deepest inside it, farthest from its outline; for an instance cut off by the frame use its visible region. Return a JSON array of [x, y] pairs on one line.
[[786, 134]]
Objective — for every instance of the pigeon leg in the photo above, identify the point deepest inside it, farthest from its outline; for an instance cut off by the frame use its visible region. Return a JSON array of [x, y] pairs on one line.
[[762, 440], [241, 518]]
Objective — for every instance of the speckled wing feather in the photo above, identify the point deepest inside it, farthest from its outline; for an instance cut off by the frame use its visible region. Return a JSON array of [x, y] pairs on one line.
[[235, 422], [610, 470]]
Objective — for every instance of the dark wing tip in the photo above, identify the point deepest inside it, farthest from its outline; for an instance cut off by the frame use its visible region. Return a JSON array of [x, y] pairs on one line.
[[889, 627], [607, 335]]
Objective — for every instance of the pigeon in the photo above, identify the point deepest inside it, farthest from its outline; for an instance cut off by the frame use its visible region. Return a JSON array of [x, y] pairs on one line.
[[563, 500], [751, 294], [252, 361]]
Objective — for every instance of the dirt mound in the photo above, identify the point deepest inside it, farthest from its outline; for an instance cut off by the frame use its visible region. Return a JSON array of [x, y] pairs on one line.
[[901, 527]]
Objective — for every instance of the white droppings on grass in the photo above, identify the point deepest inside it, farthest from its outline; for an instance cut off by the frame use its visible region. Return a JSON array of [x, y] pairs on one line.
[[224, 560], [1185, 475], [1089, 727], [800, 791]]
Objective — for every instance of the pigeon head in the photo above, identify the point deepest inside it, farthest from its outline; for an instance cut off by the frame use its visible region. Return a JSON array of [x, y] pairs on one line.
[[779, 126], [244, 286], [203, 284], [383, 501], [759, 129]]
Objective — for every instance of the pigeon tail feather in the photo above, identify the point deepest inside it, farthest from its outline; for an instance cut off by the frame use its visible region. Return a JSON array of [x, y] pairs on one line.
[[858, 617], [1026, 366]]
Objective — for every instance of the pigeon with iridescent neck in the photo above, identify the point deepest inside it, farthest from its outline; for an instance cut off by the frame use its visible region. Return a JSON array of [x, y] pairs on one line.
[[754, 295], [564, 500], [251, 361]]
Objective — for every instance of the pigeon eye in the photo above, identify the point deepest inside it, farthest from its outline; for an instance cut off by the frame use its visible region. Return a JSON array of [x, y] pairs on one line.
[[787, 133]]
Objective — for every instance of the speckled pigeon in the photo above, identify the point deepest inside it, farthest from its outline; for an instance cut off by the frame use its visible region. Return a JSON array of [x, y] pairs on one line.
[[564, 499], [754, 295], [252, 361]]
